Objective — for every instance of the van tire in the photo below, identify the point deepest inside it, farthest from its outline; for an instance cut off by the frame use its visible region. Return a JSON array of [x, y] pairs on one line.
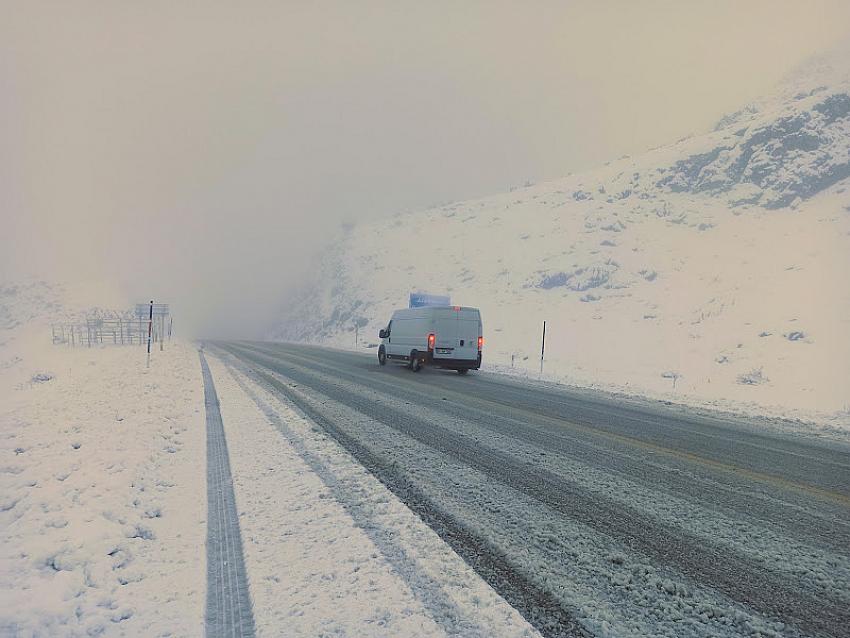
[[415, 361], [463, 371], [382, 356]]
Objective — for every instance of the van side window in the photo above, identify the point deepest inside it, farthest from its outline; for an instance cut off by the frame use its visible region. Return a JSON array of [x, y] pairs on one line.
[[389, 327]]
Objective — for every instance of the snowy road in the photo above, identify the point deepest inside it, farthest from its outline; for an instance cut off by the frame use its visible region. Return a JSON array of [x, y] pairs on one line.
[[591, 516]]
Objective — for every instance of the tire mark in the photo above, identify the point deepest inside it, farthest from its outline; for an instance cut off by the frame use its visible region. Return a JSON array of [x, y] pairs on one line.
[[228, 607]]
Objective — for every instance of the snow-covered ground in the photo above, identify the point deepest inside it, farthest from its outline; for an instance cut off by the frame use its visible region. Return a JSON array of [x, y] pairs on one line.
[[102, 480], [712, 271]]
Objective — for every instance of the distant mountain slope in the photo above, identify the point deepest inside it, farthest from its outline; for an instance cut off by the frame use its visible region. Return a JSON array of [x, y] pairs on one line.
[[28, 308], [714, 269], [26, 301], [781, 158], [23, 302]]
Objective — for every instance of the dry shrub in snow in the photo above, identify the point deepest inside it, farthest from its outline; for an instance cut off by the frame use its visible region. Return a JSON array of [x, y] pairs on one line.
[[753, 377]]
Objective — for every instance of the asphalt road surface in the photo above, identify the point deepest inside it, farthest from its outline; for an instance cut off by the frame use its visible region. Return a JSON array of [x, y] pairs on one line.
[[590, 514]]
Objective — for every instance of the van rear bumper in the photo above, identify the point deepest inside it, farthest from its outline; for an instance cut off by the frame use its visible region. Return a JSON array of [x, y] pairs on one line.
[[440, 362]]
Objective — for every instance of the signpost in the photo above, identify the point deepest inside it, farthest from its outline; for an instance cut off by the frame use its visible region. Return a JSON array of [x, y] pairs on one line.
[[148, 311], [144, 310]]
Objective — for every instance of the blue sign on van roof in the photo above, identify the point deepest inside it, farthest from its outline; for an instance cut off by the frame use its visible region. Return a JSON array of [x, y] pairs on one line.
[[421, 299]]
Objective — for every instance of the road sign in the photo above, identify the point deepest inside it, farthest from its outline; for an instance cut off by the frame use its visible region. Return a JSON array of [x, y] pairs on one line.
[[422, 299], [143, 310]]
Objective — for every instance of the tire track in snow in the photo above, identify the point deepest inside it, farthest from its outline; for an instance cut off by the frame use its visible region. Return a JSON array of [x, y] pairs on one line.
[[228, 607]]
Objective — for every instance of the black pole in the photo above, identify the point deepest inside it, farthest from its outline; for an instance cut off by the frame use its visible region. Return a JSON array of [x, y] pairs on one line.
[[543, 346]]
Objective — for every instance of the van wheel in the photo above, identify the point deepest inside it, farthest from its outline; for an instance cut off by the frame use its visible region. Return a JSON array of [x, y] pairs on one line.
[[415, 361], [463, 371], [382, 356]]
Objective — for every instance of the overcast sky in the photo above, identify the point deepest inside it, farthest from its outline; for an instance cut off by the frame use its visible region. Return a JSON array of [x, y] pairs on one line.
[[199, 151]]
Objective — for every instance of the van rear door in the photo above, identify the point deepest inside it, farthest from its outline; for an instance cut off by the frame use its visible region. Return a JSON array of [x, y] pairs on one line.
[[457, 332], [468, 331], [445, 330]]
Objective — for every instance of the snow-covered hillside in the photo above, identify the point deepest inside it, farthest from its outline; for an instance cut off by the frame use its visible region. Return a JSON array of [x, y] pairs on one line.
[[712, 270]]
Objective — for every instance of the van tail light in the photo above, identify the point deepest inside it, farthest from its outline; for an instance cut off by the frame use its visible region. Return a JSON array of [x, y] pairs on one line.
[[432, 339], [480, 343]]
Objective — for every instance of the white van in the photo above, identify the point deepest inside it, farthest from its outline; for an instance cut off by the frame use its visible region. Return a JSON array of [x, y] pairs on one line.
[[443, 336]]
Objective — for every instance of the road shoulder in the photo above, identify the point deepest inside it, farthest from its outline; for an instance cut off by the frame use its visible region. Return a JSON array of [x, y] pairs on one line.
[[328, 548]]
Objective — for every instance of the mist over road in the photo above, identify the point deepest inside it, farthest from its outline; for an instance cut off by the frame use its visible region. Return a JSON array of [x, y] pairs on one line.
[[588, 514]]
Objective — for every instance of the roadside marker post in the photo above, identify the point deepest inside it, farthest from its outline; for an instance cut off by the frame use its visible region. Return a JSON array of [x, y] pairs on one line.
[[542, 347]]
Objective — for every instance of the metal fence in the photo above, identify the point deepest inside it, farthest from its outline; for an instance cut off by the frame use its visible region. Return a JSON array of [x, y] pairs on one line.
[[122, 331]]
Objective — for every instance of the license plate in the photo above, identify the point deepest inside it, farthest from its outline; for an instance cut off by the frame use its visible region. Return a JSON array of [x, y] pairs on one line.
[[444, 350]]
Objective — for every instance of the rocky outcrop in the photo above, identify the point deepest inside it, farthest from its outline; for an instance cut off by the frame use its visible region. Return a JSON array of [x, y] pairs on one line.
[[793, 156]]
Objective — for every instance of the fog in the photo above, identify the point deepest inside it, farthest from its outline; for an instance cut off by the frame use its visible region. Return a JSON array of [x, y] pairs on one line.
[[201, 153]]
